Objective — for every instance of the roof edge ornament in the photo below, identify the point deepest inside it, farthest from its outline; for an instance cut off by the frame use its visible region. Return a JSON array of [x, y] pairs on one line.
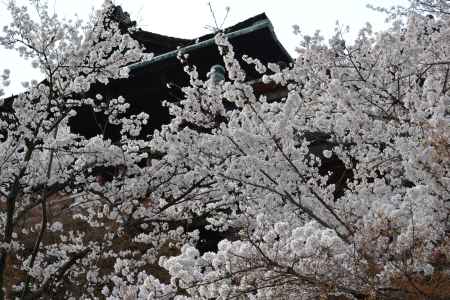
[[216, 74]]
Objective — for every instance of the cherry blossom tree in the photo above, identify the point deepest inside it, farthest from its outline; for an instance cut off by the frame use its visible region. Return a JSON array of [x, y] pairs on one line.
[[340, 190], [44, 167], [65, 225], [379, 227]]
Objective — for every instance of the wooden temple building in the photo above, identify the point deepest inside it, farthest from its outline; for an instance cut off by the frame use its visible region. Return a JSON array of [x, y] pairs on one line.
[[162, 77]]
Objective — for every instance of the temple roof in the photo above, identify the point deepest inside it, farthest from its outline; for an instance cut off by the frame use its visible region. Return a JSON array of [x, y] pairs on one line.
[[254, 36], [161, 78]]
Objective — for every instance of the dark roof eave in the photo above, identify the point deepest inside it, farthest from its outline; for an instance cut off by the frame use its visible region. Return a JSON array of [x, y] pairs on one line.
[[265, 23]]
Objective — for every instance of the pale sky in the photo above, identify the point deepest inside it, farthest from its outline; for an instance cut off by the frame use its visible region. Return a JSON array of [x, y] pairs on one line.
[[188, 19]]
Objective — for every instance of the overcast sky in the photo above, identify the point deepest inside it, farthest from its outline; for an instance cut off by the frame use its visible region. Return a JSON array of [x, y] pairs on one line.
[[188, 19]]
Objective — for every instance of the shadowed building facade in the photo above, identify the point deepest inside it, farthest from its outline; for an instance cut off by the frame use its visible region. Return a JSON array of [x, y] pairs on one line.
[[161, 78]]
